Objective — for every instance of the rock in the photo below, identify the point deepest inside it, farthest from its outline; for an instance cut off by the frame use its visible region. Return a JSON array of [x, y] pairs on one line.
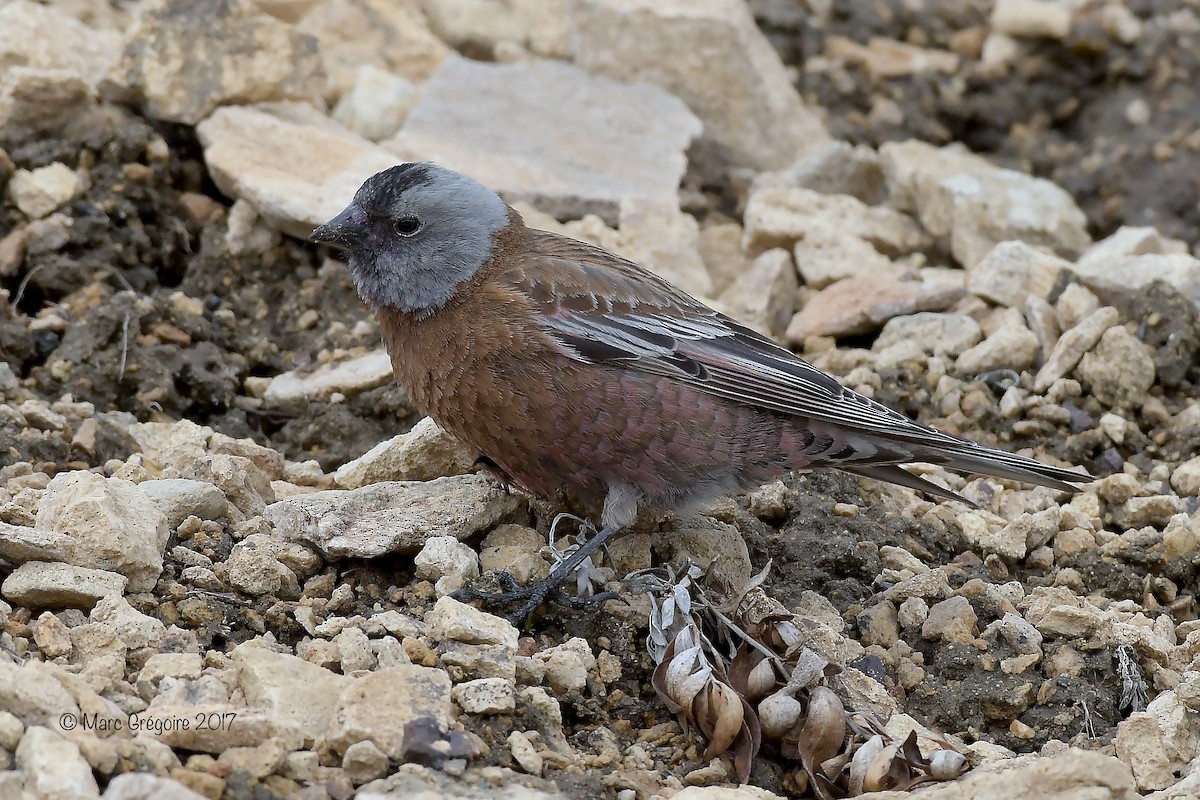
[[705, 541], [296, 175], [1012, 272], [779, 217], [1042, 321], [1138, 512], [516, 550], [888, 58], [1128, 241], [550, 134], [377, 104], [45, 38], [271, 462], [825, 256], [179, 498], [832, 167], [35, 102], [392, 517], [185, 666], [254, 567], [1141, 743], [32, 694], [1011, 346], [1075, 304], [720, 247], [989, 537], [1185, 479], [54, 768], [972, 205], [147, 786], [289, 687], [245, 486], [912, 613], [665, 241], [1119, 371], [1057, 612], [135, 629], [232, 726], [183, 59], [364, 762], [951, 620], [20, 543], [525, 754], [446, 558], [387, 35], [424, 453], [879, 625], [568, 665], [1072, 345], [935, 334], [864, 303], [705, 53], [51, 636], [1122, 277], [171, 444], [113, 525], [377, 706], [1051, 20], [1070, 774], [541, 26], [41, 584], [348, 378], [38, 192], [450, 620], [764, 296], [486, 696]]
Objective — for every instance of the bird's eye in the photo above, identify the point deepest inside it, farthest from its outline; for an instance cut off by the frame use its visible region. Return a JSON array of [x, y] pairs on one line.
[[408, 226]]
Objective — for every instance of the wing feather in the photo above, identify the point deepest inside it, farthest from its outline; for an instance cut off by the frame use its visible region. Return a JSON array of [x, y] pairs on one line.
[[605, 310]]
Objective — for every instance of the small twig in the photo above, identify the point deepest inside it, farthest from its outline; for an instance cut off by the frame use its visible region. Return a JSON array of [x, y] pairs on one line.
[[24, 282], [124, 346]]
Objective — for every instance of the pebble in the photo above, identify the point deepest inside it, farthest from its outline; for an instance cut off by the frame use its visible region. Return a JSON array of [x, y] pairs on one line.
[[1012, 272], [951, 620], [1073, 344], [289, 688], [378, 705], [392, 517], [53, 766], [485, 696], [42, 584], [38, 192], [768, 127], [971, 205], [424, 453], [181, 66]]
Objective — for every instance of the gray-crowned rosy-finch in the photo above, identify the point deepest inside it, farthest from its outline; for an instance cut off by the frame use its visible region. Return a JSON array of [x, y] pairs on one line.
[[571, 368]]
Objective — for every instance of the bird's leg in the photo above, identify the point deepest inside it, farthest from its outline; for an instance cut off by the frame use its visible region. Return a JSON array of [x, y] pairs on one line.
[[535, 593]]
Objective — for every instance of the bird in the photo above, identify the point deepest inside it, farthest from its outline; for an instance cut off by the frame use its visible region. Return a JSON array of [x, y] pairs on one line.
[[571, 368]]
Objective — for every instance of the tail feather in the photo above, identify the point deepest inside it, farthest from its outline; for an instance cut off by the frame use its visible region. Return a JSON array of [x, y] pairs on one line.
[[980, 460], [894, 473], [961, 456]]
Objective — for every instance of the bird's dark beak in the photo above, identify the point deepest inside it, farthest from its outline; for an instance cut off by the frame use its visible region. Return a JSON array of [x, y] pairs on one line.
[[344, 230]]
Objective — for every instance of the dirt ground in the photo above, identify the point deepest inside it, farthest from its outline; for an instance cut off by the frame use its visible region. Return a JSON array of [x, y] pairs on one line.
[[148, 230]]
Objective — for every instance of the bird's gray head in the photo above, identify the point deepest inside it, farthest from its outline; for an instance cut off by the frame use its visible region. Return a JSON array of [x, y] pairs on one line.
[[413, 233]]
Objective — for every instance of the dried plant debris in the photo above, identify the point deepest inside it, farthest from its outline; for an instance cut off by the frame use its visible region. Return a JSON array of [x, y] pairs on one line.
[[741, 674], [1133, 683]]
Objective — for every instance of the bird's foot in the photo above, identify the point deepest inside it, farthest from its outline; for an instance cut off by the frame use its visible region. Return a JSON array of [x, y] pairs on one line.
[[535, 594]]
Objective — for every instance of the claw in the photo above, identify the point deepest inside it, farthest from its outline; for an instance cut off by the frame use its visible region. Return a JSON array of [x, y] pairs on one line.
[[535, 594]]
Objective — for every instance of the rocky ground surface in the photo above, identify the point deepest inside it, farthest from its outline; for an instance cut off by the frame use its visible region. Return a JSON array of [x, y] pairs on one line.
[[227, 538]]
